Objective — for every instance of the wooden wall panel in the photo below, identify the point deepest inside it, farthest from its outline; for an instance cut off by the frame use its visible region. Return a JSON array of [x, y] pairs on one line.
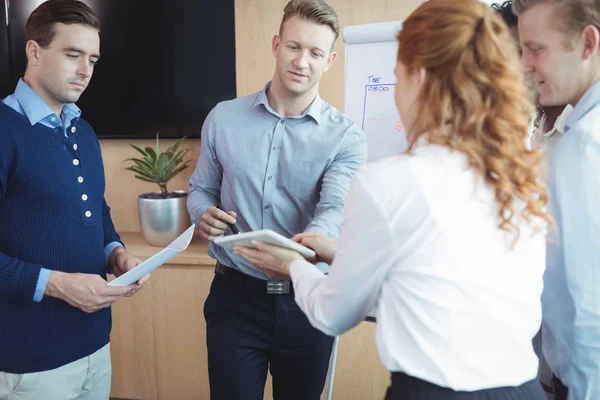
[[123, 189], [180, 331], [133, 347]]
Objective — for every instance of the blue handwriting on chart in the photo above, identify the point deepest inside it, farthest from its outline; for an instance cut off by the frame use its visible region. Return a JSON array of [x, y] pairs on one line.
[[375, 84]]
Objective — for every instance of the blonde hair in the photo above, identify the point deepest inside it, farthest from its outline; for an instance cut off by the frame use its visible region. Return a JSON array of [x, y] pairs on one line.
[[571, 16], [317, 11], [474, 99]]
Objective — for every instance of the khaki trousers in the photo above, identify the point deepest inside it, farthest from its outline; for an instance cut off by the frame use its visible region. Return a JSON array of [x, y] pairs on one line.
[[85, 379]]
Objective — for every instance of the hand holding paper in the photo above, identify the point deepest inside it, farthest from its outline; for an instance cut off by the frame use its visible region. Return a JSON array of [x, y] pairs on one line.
[[121, 262], [175, 247]]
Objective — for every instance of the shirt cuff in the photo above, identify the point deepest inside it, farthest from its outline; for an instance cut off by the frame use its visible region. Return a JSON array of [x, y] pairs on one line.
[[303, 267], [107, 250], [42, 282]]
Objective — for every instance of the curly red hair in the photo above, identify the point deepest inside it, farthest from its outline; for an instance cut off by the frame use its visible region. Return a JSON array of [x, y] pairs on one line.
[[474, 100]]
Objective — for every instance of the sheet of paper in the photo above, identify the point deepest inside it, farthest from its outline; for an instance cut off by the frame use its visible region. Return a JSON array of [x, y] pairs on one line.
[[177, 246]]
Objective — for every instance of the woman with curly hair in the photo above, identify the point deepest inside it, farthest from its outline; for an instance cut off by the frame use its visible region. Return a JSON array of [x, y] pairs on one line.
[[445, 243]]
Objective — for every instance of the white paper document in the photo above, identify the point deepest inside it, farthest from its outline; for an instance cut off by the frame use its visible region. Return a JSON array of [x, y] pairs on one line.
[[177, 246]]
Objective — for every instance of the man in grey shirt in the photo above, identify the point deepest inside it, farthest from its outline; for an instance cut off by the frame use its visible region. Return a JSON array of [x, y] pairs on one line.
[[279, 159]]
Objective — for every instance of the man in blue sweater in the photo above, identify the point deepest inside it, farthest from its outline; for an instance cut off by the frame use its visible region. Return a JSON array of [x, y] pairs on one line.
[[57, 239]]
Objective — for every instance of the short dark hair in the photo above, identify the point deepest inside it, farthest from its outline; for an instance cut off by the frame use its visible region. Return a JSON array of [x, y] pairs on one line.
[[317, 11], [506, 12], [41, 24]]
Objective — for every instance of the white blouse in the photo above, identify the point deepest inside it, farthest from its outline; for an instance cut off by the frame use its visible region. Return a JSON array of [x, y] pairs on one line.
[[421, 249]]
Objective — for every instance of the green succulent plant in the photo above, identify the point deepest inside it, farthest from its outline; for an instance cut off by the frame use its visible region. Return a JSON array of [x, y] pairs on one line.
[[157, 167]]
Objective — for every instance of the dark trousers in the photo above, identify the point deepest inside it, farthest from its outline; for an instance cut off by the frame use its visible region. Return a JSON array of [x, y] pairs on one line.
[[406, 387], [248, 331]]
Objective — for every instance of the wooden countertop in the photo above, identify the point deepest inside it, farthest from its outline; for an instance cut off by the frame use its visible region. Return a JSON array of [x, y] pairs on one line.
[[195, 255]]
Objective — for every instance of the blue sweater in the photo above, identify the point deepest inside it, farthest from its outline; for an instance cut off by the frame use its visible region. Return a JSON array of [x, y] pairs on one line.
[[46, 223]]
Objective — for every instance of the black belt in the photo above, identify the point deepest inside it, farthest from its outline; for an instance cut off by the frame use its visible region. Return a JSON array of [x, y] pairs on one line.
[[561, 392], [269, 287], [556, 388]]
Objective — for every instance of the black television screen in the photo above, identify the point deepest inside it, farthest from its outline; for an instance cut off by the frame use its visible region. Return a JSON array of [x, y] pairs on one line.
[[5, 81], [164, 64]]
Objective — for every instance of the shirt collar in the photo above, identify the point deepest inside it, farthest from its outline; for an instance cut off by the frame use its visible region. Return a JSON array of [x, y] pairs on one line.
[[314, 110], [590, 100], [36, 109], [559, 124]]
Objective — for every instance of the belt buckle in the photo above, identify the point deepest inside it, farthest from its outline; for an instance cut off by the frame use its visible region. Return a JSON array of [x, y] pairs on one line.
[[278, 287]]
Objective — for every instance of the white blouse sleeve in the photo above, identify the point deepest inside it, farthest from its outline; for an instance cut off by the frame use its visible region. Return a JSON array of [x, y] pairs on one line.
[[339, 301]]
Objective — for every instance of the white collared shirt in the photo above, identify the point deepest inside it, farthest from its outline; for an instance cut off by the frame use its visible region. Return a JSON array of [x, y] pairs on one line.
[[420, 243], [571, 299], [548, 140]]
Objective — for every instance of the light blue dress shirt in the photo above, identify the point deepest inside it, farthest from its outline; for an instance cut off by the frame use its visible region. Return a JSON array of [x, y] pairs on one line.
[[290, 175], [571, 298], [27, 102]]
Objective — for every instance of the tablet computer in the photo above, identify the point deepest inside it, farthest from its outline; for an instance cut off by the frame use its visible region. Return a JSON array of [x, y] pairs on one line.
[[265, 235]]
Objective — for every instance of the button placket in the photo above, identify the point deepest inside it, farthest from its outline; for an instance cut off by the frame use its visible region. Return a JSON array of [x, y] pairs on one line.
[[271, 172], [85, 206], [85, 203]]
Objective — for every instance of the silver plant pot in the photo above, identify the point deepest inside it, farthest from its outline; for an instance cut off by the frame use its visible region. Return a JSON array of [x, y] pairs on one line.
[[162, 220]]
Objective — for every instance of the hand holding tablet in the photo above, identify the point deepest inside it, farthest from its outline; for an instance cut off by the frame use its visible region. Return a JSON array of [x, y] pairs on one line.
[[265, 235]]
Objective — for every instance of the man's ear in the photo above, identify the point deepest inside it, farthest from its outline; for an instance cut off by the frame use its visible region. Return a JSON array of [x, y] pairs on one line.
[[275, 44], [330, 60], [33, 52], [591, 39]]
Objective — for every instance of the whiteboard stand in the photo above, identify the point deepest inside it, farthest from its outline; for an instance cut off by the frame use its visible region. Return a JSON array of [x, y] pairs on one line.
[[331, 372], [332, 360]]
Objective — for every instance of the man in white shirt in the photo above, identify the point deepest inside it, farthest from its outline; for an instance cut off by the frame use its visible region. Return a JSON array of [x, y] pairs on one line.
[[560, 40], [546, 136], [550, 128]]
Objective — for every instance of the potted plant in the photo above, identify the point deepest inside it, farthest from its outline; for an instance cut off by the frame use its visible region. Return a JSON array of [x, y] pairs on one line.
[[163, 214]]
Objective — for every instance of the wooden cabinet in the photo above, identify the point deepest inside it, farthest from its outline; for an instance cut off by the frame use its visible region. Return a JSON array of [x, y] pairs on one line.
[[158, 341]]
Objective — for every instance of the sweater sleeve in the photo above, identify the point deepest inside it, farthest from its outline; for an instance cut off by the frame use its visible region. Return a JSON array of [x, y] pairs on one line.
[[110, 234], [18, 279]]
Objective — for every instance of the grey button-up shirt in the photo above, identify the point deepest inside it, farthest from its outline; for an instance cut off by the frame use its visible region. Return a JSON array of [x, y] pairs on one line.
[[290, 175]]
